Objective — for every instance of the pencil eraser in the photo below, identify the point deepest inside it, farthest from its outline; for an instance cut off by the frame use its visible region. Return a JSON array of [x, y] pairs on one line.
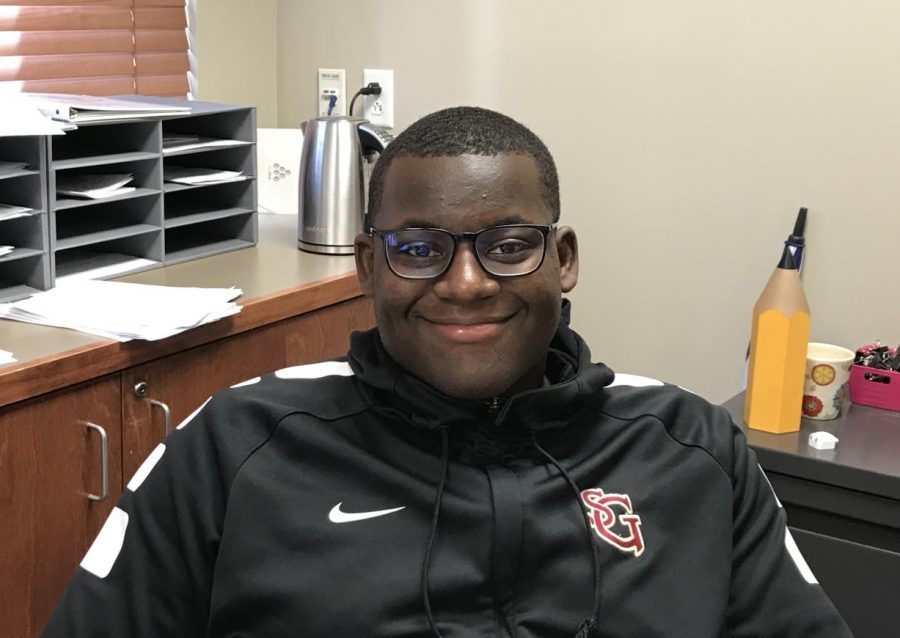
[[822, 440]]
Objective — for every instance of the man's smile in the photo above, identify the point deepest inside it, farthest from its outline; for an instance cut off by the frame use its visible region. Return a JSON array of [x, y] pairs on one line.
[[468, 330]]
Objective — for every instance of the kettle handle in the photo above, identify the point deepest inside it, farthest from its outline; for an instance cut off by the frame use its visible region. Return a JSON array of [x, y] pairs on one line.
[[373, 138]]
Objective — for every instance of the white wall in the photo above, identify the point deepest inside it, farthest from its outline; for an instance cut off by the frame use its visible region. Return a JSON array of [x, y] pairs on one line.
[[687, 135], [237, 55]]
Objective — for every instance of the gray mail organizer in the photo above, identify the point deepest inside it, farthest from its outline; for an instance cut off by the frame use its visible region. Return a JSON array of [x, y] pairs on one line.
[[24, 256], [98, 202], [209, 173]]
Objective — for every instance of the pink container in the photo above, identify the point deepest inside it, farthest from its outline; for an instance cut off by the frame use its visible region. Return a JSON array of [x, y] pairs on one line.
[[867, 391]]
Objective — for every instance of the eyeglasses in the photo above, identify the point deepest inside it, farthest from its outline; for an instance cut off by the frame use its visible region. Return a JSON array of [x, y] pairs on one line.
[[512, 250]]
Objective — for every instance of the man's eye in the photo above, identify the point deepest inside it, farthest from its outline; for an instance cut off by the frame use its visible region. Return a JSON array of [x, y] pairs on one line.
[[509, 248], [418, 249]]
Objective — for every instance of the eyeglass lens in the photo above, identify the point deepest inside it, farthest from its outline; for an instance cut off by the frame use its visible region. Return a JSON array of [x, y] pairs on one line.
[[421, 253]]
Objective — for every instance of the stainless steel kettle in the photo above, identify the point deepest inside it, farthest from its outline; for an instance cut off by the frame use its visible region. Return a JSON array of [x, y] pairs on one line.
[[335, 163]]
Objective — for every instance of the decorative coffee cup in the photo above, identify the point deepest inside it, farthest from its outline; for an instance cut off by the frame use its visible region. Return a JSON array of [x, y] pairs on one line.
[[825, 385]]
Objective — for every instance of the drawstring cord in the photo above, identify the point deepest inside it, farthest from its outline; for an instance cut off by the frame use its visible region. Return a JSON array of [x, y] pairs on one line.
[[426, 564], [586, 628]]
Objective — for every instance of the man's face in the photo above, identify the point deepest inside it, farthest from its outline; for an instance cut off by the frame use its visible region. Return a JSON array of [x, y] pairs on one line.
[[469, 334]]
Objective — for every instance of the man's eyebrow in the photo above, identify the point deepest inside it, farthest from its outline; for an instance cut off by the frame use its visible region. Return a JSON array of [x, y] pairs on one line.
[[418, 223], [505, 221], [511, 219]]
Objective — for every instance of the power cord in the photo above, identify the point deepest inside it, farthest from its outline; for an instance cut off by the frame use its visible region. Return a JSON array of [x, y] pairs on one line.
[[372, 88]]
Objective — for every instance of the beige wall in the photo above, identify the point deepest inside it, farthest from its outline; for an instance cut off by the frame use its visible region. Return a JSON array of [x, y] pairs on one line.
[[687, 136], [237, 56]]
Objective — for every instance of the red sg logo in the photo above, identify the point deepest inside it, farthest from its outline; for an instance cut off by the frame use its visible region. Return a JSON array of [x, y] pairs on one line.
[[613, 519]]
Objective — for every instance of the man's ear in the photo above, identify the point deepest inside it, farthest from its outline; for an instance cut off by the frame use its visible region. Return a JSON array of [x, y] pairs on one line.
[[567, 250], [364, 251]]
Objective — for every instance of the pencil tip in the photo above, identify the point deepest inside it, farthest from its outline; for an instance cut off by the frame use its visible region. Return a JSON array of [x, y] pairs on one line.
[[787, 259]]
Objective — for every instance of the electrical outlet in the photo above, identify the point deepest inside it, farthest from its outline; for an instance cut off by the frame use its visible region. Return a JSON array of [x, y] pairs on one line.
[[332, 82], [379, 109]]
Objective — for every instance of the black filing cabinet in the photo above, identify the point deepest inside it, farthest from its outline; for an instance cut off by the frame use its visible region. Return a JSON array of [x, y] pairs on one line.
[[843, 508]]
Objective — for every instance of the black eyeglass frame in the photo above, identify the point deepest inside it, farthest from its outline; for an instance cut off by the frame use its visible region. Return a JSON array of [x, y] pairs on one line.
[[545, 230]]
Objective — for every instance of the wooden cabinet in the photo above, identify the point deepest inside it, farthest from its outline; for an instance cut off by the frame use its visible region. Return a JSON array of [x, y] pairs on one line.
[[311, 337], [50, 461], [172, 387], [296, 308]]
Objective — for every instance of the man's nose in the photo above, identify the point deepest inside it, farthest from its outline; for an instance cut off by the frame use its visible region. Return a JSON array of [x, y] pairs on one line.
[[465, 279]]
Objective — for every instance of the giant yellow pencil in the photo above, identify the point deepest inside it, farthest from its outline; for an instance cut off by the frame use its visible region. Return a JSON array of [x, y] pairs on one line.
[[778, 352]]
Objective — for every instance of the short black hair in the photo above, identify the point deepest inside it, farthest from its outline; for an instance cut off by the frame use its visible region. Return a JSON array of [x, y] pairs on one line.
[[465, 130]]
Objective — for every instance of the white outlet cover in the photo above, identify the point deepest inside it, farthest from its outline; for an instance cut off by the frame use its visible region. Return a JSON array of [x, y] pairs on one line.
[[332, 81], [379, 109]]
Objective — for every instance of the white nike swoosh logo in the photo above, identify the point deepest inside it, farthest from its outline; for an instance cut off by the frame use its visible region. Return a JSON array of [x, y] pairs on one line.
[[337, 516]]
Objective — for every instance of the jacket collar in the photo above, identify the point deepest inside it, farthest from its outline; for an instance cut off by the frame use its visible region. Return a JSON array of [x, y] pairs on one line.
[[573, 381]]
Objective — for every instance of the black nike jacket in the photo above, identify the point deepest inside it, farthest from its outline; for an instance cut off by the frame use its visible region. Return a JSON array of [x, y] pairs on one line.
[[349, 499]]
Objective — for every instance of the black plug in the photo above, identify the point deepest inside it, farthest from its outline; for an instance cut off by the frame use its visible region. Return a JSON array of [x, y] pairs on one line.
[[372, 88]]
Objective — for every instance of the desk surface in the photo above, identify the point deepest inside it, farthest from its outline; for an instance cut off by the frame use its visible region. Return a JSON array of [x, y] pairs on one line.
[[278, 281], [867, 457]]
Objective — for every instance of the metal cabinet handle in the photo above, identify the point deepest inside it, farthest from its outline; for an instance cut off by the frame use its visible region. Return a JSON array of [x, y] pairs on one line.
[[167, 414], [141, 388], [104, 463]]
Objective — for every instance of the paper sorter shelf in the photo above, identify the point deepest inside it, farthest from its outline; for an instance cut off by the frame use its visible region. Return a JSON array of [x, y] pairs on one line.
[[7, 167], [174, 221], [86, 264], [20, 253], [83, 235], [62, 204], [171, 187], [216, 135], [97, 160]]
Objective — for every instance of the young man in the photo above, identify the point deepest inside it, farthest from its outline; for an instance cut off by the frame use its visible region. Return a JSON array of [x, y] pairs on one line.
[[466, 470]]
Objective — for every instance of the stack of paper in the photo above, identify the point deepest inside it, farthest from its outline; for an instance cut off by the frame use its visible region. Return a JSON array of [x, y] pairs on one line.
[[195, 175], [8, 211], [94, 186], [6, 357], [173, 143], [124, 311]]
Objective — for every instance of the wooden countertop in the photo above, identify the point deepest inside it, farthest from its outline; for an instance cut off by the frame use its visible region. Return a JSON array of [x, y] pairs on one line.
[[278, 281]]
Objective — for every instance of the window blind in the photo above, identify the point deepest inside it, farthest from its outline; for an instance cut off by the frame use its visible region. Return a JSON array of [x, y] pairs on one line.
[[94, 47]]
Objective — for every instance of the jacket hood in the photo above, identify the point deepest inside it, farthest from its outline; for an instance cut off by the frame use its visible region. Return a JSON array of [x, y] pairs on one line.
[[573, 381]]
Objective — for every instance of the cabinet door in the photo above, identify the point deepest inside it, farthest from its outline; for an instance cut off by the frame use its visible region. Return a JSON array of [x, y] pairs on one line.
[[325, 334], [862, 581], [183, 381], [50, 461], [177, 384]]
